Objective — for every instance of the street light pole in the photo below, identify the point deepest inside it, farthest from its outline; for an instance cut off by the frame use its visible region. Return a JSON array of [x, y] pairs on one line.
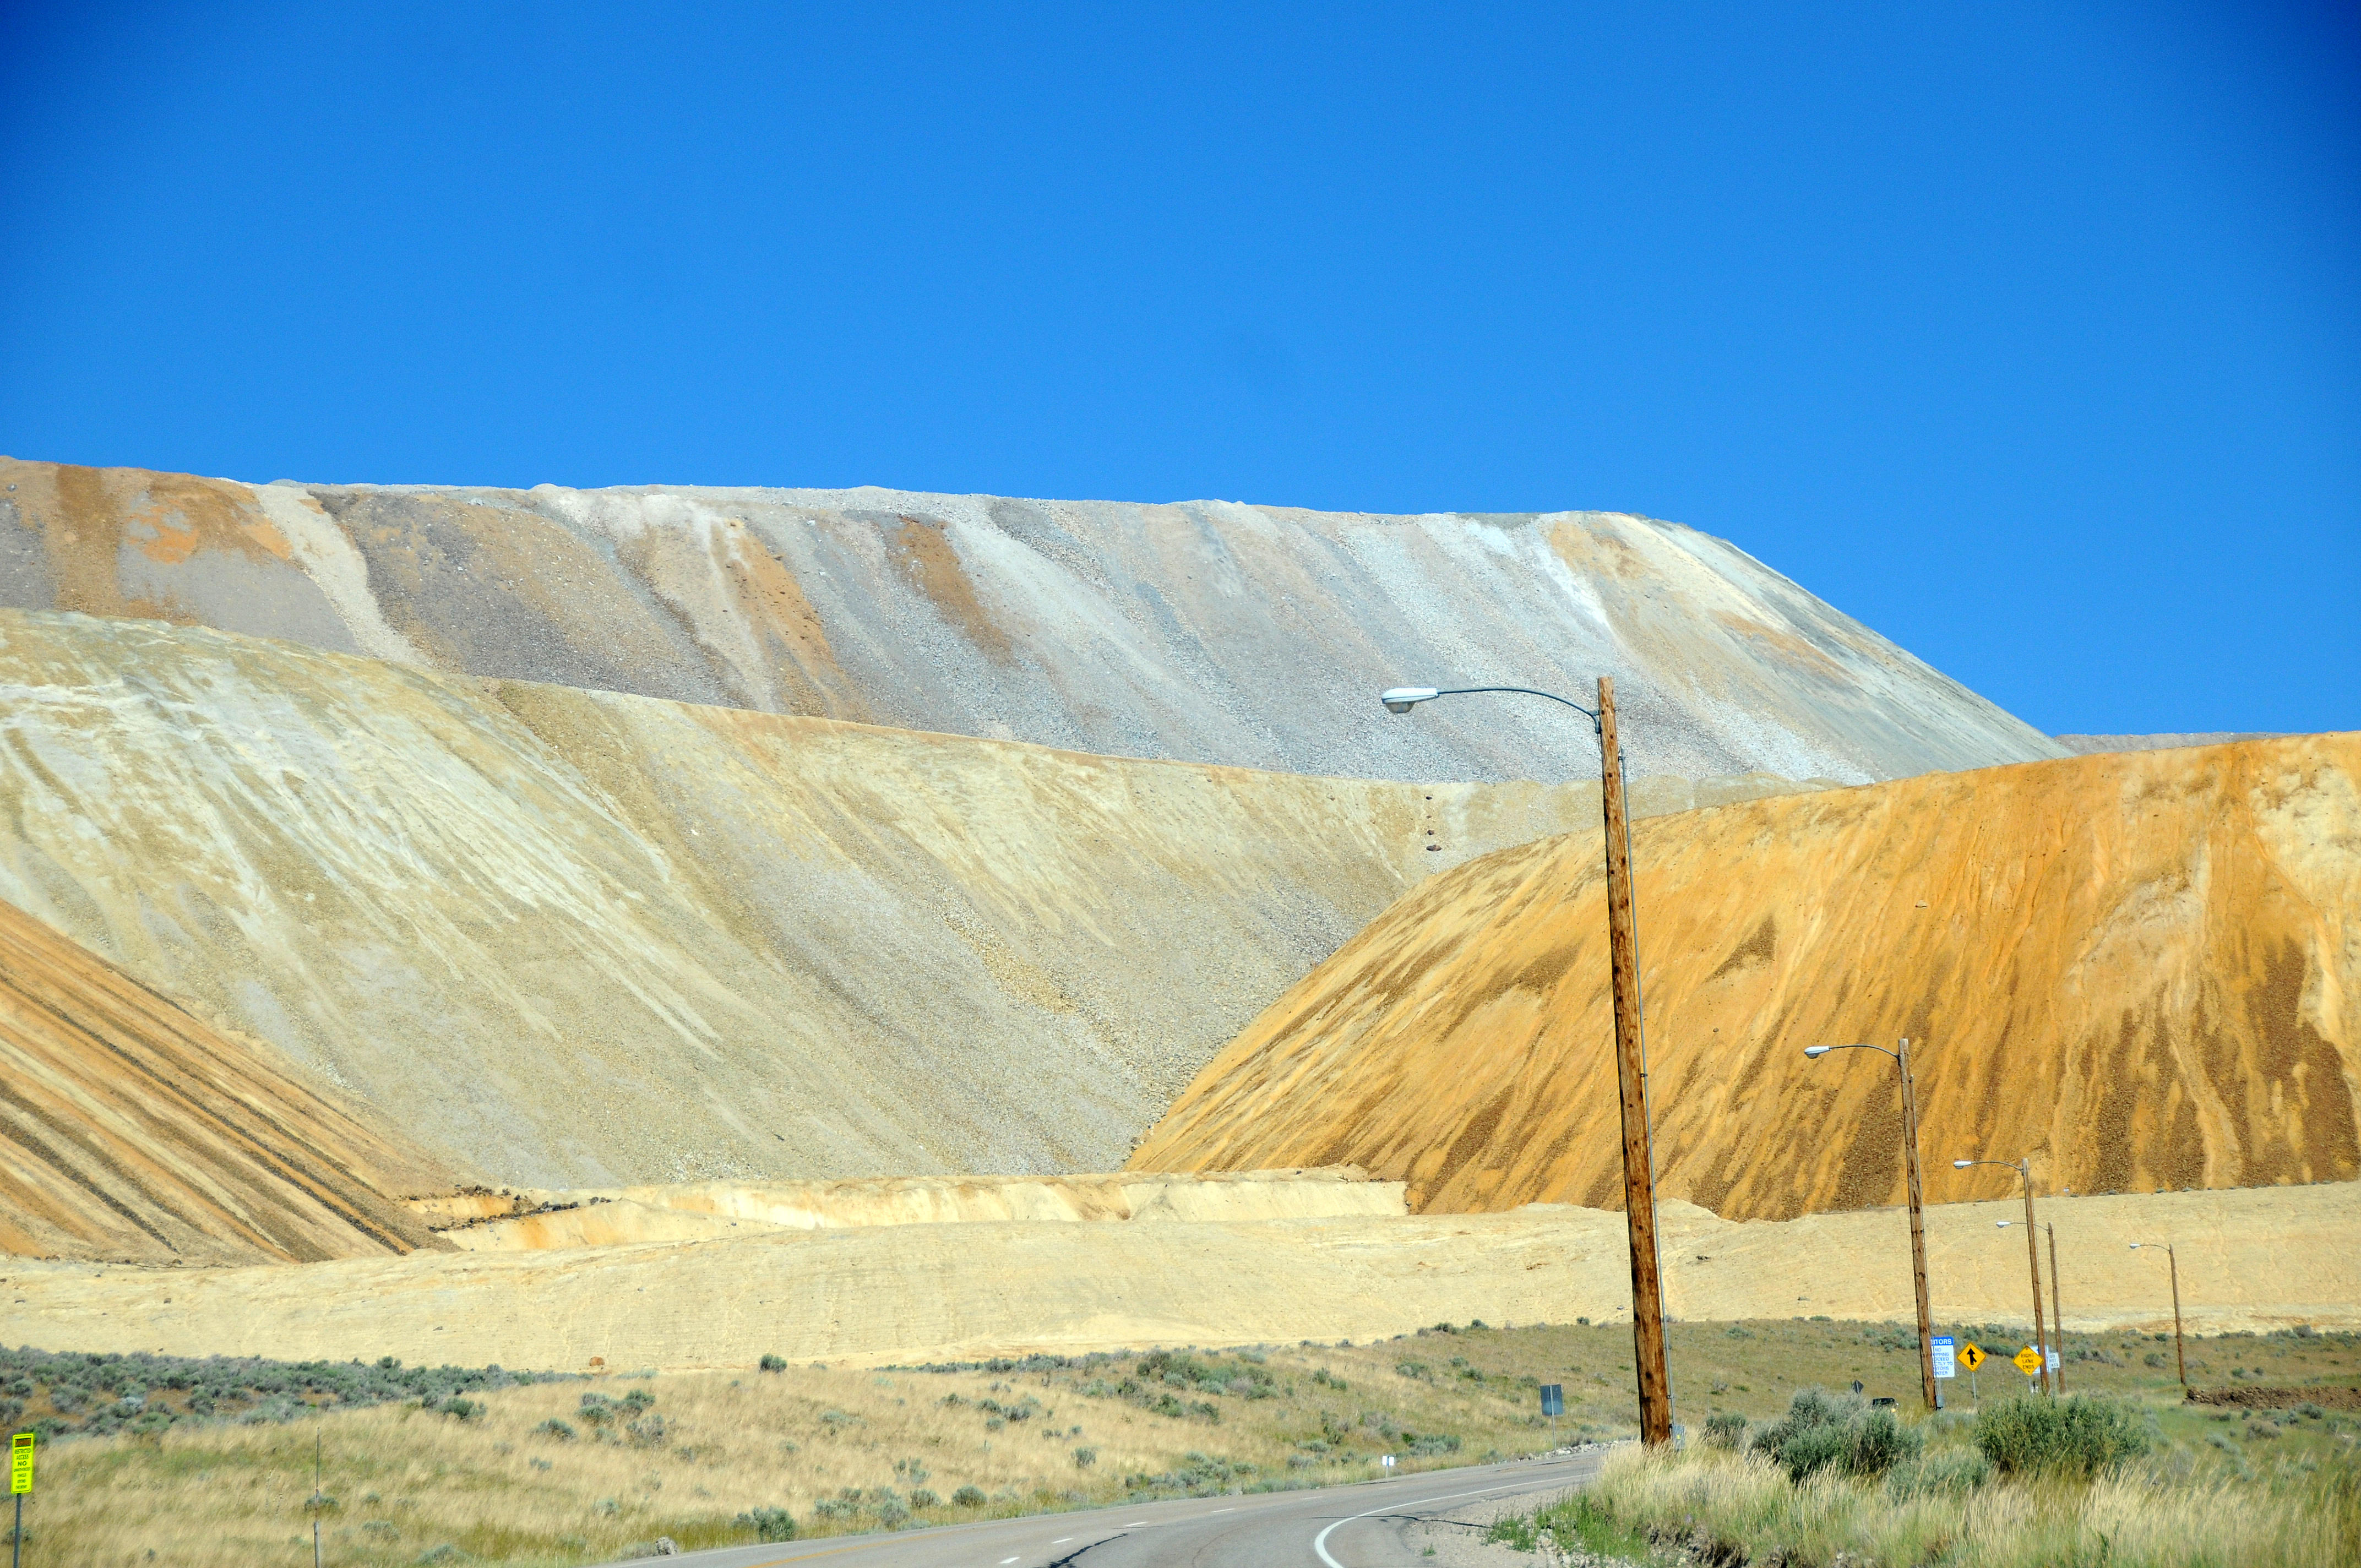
[[1654, 1375], [2180, 1362], [2057, 1309], [1632, 1083], [2032, 1255], [1917, 1223]]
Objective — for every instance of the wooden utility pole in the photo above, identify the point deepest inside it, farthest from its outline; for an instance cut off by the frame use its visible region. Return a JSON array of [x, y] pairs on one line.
[[1631, 1078], [2057, 1312], [1918, 1229], [2033, 1260], [2180, 1360]]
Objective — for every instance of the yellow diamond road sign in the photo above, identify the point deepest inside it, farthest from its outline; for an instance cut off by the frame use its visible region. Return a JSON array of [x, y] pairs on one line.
[[20, 1463], [1972, 1355], [2028, 1361]]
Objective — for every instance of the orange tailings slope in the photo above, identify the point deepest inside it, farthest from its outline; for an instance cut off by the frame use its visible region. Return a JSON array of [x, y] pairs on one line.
[[2142, 970], [131, 1132]]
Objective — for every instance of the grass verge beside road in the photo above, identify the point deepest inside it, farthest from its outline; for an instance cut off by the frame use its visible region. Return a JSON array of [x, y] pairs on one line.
[[2027, 1482], [576, 1470]]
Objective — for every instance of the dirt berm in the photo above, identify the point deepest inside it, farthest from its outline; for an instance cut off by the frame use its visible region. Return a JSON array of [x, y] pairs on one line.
[[2254, 1259], [2140, 970], [528, 1221]]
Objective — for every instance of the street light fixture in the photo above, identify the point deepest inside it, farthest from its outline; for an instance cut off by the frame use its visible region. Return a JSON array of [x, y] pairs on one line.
[[1402, 699], [2172, 1261], [1654, 1375], [2032, 1255], [1917, 1222]]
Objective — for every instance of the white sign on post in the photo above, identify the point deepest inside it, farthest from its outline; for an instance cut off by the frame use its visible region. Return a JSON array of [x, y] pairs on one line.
[[1947, 1359], [1388, 1462], [2053, 1361]]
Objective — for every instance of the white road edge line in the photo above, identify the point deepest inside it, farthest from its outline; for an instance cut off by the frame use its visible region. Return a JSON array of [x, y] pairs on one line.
[[1320, 1542]]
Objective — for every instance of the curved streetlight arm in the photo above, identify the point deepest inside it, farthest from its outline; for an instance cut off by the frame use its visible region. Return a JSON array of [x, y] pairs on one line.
[[1402, 699], [1815, 1052]]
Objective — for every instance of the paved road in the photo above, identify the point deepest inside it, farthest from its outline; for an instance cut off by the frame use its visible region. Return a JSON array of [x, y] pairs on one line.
[[1375, 1524]]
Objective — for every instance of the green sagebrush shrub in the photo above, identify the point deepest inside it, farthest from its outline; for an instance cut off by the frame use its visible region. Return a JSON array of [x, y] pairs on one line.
[[1725, 1429], [1821, 1432], [2079, 1437], [768, 1524]]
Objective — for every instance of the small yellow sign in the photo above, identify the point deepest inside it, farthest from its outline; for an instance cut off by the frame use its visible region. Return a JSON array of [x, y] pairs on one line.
[[2028, 1361], [20, 1463], [1972, 1355]]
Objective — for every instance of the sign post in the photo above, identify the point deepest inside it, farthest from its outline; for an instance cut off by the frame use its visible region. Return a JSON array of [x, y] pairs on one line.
[[20, 1481], [1553, 1406], [1946, 1359], [1972, 1354]]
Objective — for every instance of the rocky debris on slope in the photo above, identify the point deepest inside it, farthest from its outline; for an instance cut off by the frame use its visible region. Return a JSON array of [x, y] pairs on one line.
[[1205, 630], [2088, 745], [573, 938], [130, 1131], [880, 1294], [2140, 970]]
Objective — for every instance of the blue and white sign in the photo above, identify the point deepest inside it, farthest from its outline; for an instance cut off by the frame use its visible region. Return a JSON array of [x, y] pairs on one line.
[[1946, 1355]]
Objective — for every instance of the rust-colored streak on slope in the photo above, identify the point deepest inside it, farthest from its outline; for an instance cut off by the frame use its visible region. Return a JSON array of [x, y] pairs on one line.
[[924, 546], [1208, 632], [131, 1132], [128, 541], [2143, 969]]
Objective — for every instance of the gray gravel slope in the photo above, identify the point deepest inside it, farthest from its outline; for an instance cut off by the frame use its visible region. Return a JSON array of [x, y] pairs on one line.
[[1202, 630]]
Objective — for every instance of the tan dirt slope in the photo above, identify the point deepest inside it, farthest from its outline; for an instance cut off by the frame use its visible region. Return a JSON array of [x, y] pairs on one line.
[[1207, 630], [2141, 969], [131, 1132], [572, 939], [2254, 1259]]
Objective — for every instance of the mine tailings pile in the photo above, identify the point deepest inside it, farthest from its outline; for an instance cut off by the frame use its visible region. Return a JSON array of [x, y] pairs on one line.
[[2142, 967]]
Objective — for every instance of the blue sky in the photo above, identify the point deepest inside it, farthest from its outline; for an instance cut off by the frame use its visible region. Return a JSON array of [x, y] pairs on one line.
[[2029, 334]]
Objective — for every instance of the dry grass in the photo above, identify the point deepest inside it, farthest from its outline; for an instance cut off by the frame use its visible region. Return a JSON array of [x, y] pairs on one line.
[[406, 1481], [2178, 1511]]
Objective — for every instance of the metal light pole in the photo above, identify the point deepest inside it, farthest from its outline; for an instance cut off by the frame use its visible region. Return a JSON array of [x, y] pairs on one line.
[[1917, 1223], [2057, 1309], [1654, 1375], [2179, 1361], [2032, 1255]]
